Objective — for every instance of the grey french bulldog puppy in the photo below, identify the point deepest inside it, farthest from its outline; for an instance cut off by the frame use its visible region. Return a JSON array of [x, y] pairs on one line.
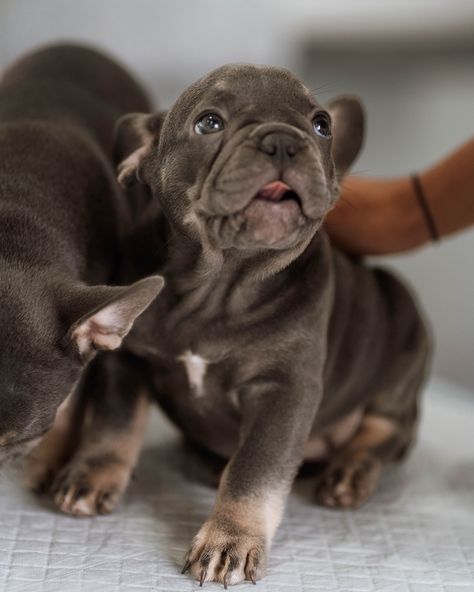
[[63, 222], [267, 346]]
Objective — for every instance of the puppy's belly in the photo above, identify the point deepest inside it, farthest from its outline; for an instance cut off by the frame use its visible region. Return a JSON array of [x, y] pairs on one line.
[[320, 445], [193, 395]]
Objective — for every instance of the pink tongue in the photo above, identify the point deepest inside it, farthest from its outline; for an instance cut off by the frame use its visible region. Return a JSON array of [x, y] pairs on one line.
[[273, 191]]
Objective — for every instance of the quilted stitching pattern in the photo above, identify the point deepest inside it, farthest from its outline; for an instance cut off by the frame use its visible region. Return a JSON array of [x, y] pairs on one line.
[[415, 535]]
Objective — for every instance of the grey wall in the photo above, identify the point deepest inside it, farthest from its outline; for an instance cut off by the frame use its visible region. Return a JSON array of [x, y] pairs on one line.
[[411, 62]]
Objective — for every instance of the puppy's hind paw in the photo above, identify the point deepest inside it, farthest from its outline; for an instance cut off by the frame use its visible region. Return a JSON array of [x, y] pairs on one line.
[[348, 482], [88, 487]]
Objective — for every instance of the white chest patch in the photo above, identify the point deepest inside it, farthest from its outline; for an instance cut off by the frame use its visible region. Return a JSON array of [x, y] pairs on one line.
[[196, 370]]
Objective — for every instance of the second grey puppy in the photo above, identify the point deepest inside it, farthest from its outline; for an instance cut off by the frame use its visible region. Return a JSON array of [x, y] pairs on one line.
[[64, 221]]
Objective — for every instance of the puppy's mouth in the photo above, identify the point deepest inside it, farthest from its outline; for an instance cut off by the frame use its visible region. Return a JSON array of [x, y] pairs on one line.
[[272, 216], [278, 192]]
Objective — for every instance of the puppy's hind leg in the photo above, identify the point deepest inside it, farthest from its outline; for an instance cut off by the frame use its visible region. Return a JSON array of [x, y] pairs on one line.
[[95, 478], [389, 425], [353, 472], [386, 433]]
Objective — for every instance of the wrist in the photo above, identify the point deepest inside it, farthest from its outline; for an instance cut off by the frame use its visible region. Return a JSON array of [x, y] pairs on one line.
[[407, 225]]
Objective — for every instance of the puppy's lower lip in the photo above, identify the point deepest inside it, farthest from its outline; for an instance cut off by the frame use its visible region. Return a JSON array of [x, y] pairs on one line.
[[277, 191]]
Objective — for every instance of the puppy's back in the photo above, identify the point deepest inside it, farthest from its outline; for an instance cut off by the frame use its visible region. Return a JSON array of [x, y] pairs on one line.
[[70, 84], [58, 109]]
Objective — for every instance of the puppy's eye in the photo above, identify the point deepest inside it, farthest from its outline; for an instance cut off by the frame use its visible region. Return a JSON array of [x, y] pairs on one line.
[[322, 125], [210, 123]]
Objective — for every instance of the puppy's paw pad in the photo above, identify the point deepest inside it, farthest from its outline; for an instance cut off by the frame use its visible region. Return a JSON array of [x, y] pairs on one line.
[[226, 554], [82, 491], [349, 482]]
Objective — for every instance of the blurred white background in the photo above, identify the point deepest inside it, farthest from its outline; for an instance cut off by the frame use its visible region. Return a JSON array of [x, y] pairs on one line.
[[412, 62]]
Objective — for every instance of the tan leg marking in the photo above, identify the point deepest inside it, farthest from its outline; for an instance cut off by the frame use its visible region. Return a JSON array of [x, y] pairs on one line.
[[95, 479], [46, 458], [354, 473], [374, 431], [233, 543], [320, 446]]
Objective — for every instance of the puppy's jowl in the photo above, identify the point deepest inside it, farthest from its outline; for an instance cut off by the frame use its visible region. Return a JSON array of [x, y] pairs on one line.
[[63, 220], [267, 345]]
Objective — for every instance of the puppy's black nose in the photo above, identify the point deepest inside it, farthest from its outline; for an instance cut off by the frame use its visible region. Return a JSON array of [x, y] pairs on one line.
[[279, 145]]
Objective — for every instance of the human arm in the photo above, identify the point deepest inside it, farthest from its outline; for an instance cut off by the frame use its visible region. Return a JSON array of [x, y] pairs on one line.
[[382, 216]]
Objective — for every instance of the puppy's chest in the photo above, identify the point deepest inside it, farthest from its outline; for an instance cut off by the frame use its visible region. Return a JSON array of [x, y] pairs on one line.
[[198, 378], [209, 356], [199, 372], [193, 360]]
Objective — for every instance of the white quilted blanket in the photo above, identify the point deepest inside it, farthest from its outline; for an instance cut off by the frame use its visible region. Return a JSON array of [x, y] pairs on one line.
[[415, 535]]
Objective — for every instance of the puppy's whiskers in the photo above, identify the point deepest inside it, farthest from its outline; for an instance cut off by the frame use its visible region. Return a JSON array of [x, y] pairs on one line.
[[322, 89]]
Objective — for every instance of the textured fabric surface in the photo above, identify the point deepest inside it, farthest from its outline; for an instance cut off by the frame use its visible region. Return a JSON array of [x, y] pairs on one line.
[[415, 535]]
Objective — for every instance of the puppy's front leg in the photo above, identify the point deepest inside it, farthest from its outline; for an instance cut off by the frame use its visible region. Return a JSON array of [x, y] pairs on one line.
[[233, 543], [116, 406], [44, 461]]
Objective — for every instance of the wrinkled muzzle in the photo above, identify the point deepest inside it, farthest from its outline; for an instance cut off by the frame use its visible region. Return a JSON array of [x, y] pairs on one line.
[[266, 189]]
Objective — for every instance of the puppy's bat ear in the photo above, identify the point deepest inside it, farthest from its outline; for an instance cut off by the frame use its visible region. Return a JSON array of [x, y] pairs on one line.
[[133, 137], [348, 122], [110, 315]]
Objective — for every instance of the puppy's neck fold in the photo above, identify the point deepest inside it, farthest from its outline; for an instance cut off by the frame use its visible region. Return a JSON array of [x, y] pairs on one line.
[[233, 280]]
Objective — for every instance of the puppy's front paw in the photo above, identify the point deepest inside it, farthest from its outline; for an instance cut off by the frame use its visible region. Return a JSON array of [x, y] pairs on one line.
[[90, 486], [224, 552], [348, 481]]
